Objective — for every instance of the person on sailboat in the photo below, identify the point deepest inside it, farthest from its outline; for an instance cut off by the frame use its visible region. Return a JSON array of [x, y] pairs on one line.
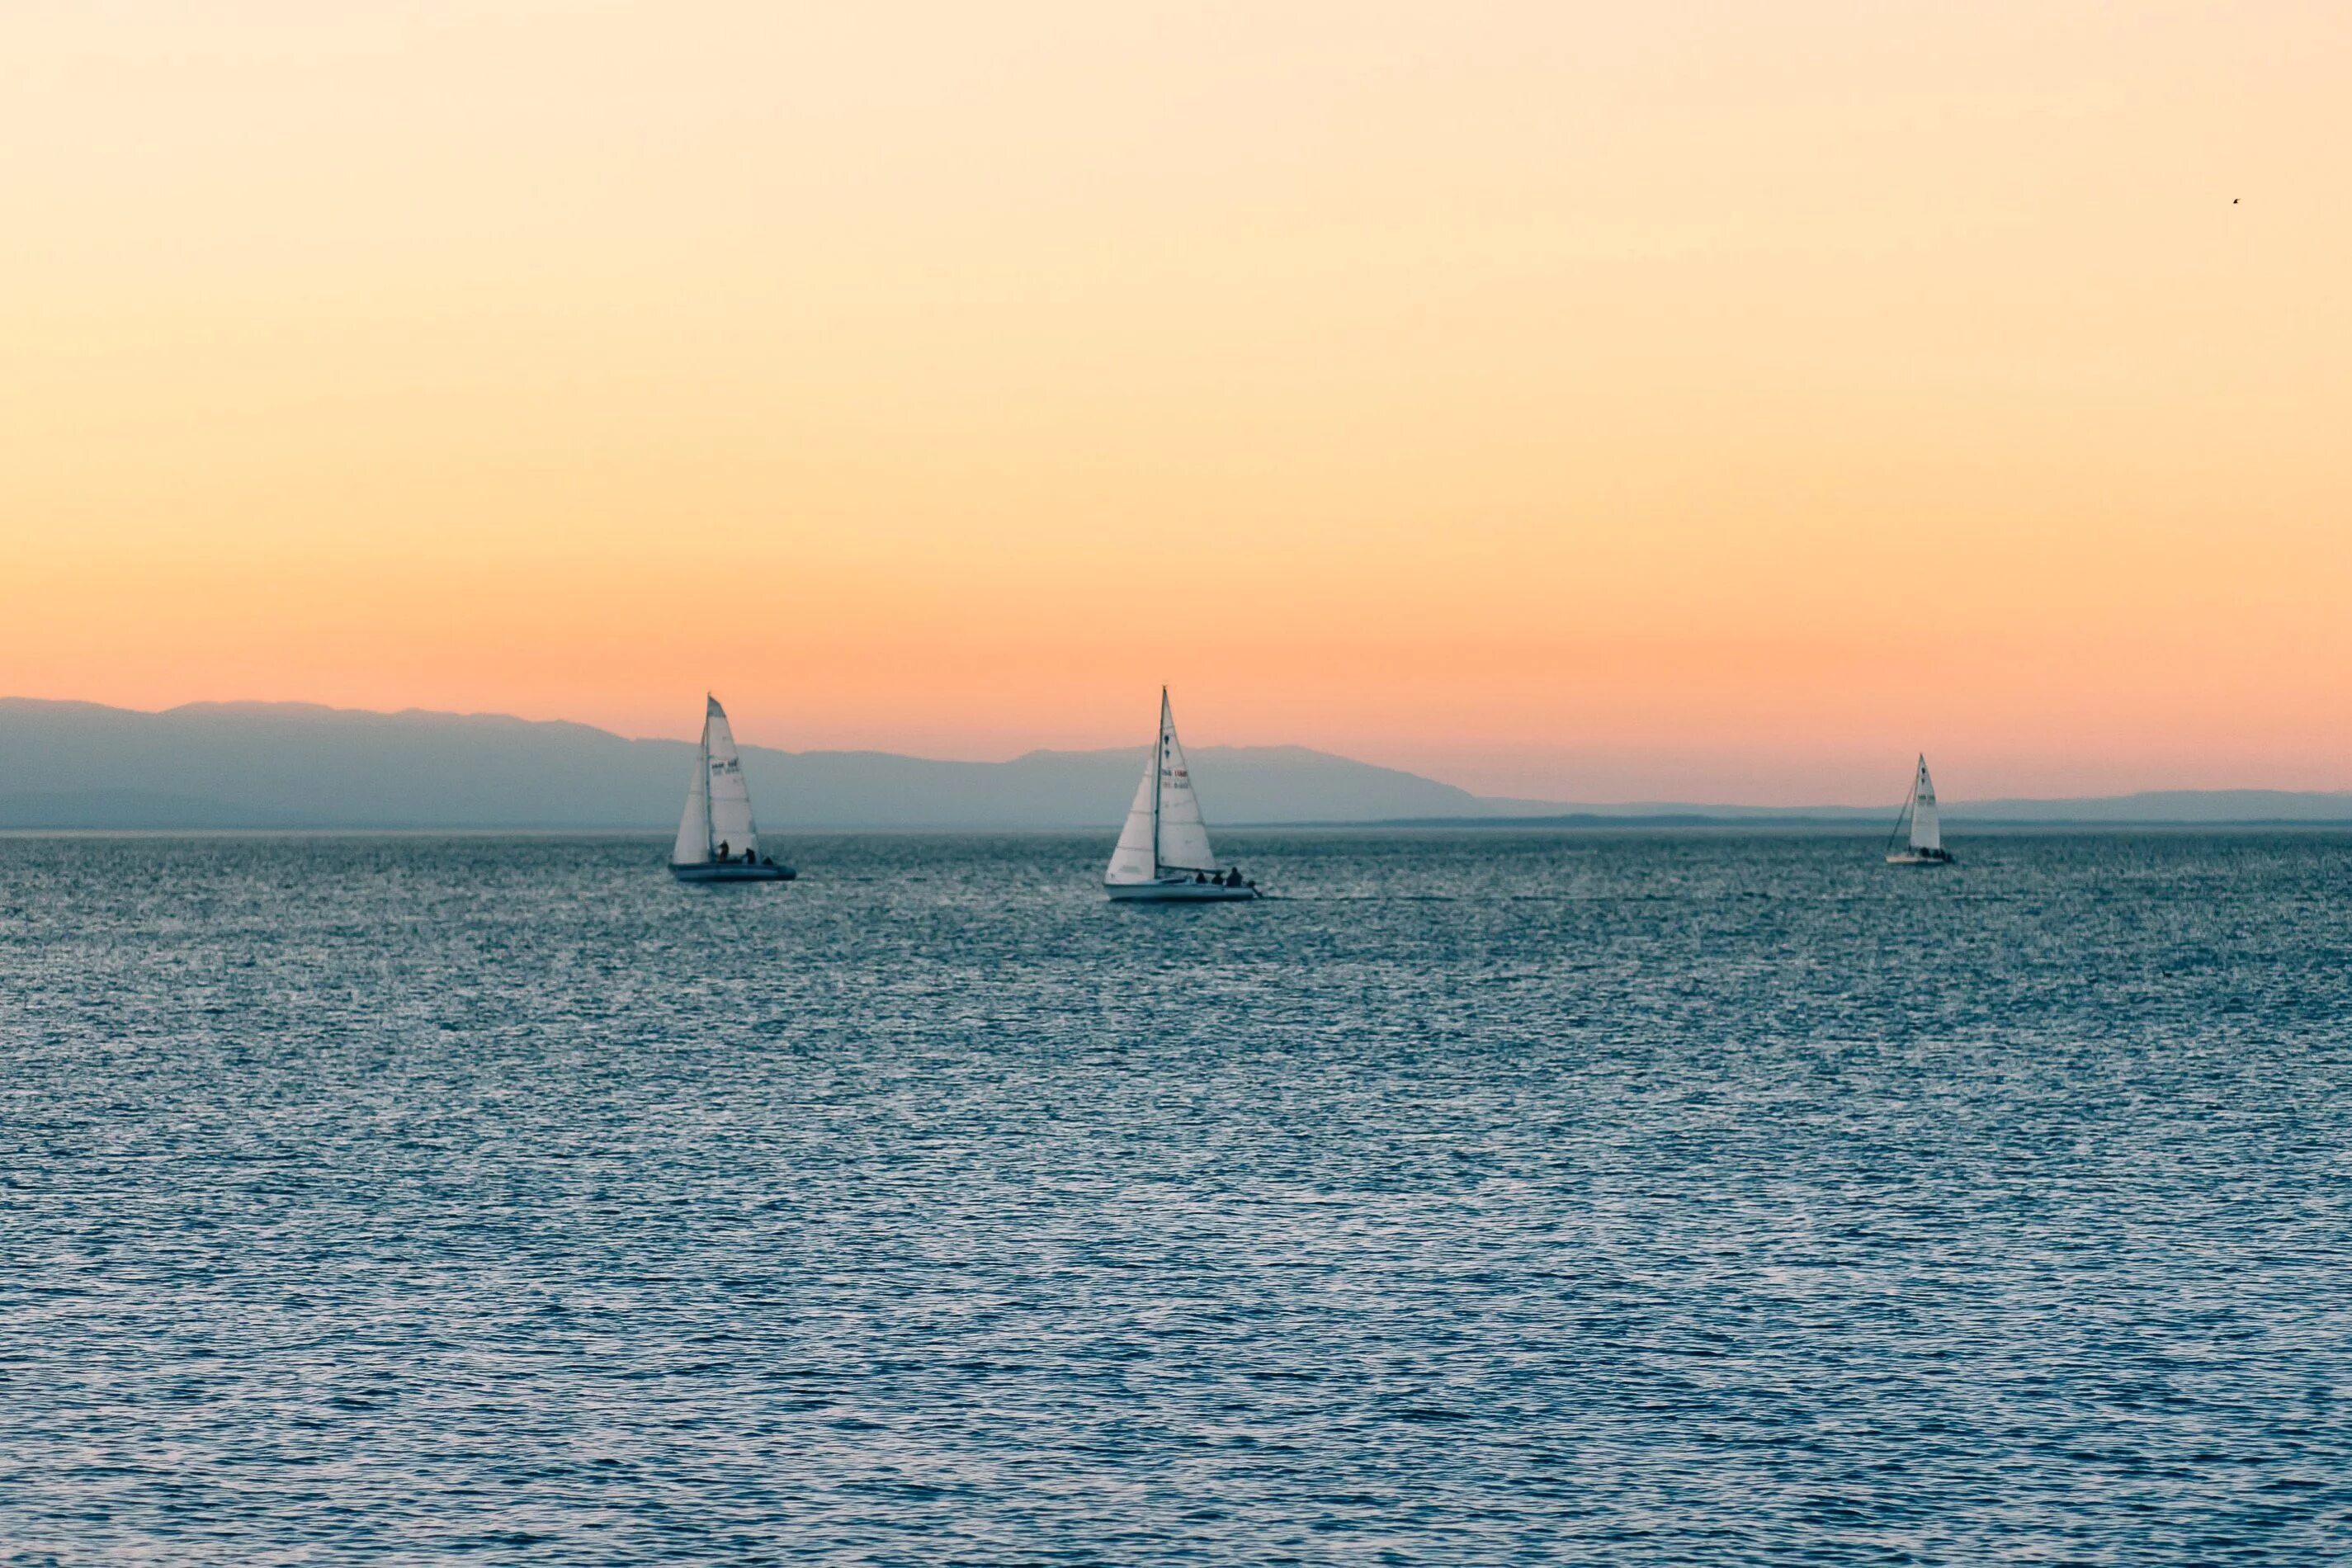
[[723, 850]]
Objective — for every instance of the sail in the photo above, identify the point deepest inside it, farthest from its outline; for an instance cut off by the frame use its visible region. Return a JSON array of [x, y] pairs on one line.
[[693, 845], [1184, 836], [730, 800], [1927, 825], [1132, 860]]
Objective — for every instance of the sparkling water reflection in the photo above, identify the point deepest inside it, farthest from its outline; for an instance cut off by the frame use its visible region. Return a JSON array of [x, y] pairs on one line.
[[1487, 1197]]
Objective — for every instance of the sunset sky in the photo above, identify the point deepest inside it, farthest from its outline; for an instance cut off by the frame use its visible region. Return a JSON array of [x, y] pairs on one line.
[[1697, 399]]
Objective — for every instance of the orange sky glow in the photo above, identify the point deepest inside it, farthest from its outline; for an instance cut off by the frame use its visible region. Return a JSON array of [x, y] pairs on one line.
[[1697, 400]]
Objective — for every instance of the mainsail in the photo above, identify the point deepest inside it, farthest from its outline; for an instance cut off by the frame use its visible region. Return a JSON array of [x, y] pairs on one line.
[[1927, 826], [1164, 831], [717, 806], [1184, 836]]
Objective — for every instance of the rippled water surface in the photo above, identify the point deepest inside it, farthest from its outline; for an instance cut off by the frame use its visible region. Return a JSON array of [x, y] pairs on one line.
[[1610, 1199]]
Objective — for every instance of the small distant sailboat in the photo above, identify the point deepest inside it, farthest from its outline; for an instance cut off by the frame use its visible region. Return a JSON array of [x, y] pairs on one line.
[[717, 839], [1163, 852], [1926, 846]]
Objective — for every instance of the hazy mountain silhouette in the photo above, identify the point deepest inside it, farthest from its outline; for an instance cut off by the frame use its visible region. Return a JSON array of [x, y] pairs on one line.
[[239, 764], [2147, 808], [291, 765]]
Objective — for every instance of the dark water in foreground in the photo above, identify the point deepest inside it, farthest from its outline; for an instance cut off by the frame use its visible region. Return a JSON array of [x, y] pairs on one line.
[[1610, 1199]]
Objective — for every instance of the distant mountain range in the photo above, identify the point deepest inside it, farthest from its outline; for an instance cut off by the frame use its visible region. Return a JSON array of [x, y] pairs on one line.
[[293, 765], [2183, 808], [250, 765]]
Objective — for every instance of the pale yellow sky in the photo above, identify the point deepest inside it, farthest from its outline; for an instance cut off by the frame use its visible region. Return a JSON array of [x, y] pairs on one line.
[[1597, 402]]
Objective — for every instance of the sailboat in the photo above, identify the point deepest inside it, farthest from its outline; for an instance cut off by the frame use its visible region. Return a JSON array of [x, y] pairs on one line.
[[1926, 846], [1163, 852], [717, 839]]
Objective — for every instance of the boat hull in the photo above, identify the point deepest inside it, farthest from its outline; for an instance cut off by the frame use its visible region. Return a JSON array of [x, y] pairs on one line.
[[1920, 857], [1176, 893], [723, 872]]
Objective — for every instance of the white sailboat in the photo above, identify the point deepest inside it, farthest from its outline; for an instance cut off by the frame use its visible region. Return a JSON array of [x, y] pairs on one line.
[[717, 839], [1926, 845], [1163, 851]]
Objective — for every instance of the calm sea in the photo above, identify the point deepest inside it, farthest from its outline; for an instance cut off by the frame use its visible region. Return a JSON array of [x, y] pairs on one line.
[[1487, 1197]]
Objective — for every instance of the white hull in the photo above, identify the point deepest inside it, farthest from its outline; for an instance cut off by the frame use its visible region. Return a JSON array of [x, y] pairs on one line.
[[1920, 857], [1184, 892], [721, 872]]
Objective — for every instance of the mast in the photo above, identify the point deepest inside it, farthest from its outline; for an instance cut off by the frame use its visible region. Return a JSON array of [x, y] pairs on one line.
[[710, 847], [1158, 770]]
